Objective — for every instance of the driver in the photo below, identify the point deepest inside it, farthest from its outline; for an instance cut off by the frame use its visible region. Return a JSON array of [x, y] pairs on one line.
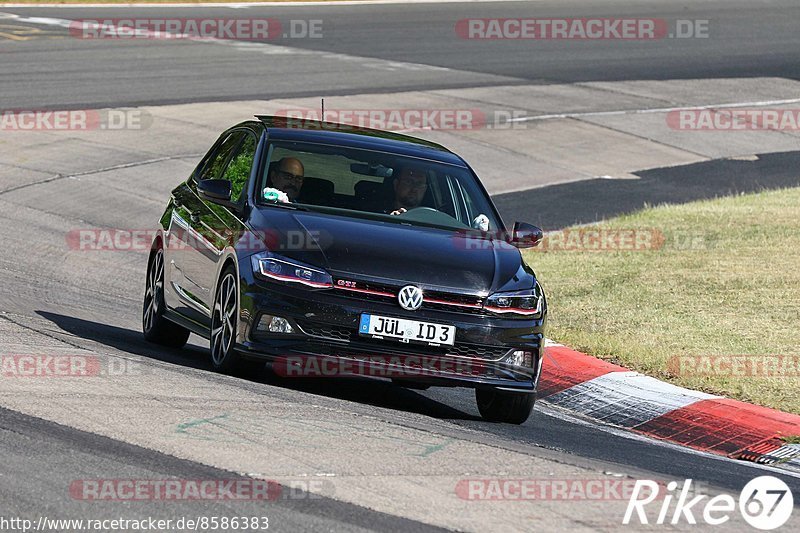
[[288, 177], [409, 190]]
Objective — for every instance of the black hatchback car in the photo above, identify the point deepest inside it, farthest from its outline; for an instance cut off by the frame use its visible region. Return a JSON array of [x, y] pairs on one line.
[[329, 250]]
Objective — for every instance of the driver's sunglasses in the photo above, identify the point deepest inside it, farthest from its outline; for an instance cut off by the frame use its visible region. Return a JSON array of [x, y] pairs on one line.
[[289, 176]]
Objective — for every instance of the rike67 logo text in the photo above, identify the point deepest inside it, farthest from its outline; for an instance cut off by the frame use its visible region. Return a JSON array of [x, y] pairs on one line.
[[765, 503]]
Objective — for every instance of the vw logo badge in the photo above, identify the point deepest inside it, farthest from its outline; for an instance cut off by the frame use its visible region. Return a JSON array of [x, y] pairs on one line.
[[410, 297]]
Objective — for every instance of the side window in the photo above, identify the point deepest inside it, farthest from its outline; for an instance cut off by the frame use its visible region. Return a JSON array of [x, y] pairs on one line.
[[216, 163], [238, 171], [472, 212], [456, 200]]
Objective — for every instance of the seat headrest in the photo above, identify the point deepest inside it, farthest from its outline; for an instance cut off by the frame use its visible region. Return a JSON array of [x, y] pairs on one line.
[[367, 188], [316, 190]]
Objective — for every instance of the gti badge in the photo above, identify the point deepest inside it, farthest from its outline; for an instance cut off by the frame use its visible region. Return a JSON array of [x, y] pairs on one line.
[[410, 297]]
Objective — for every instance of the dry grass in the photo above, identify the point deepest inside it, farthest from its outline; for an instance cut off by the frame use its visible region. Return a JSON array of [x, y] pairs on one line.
[[725, 282]]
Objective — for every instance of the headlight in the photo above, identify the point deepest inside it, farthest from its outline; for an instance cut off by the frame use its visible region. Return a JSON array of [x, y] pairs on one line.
[[274, 267], [527, 303]]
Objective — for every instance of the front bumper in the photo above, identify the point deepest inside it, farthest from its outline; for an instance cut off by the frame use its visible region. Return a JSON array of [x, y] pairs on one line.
[[326, 341]]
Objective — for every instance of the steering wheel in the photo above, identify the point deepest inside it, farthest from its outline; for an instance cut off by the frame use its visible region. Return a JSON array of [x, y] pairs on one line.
[[430, 215], [420, 210]]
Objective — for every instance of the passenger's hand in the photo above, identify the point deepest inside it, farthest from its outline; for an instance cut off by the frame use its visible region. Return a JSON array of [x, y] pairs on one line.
[[398, 211]]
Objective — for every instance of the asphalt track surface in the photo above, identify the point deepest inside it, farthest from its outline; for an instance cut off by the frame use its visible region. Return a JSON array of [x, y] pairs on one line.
[[47, 456], [746, 39], [752, 40]]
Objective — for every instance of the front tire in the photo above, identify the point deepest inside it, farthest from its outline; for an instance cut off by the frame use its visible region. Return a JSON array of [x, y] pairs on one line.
[[224, 319], [155, 326], [503, 406]]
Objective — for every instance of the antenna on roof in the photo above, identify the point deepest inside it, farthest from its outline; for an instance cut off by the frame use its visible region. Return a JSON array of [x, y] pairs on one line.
[[322, 103]]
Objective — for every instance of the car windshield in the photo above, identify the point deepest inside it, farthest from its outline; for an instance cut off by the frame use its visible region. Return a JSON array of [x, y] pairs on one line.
[[373, 184]]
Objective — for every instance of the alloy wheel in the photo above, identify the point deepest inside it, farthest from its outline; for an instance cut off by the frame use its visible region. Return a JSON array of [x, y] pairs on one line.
[[223, 326], [154, 291]]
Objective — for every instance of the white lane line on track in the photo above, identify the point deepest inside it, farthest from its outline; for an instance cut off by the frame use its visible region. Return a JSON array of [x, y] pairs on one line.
[[245, 5], [45, 21], [264, 48], [77, 175], [733, 105]]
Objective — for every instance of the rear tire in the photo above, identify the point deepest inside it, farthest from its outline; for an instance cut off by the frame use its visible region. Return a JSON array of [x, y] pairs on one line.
[[156, 328], [504, 406], [224, 321]]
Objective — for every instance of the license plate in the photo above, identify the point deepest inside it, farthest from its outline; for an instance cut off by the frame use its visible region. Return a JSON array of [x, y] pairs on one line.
[[404, 330]]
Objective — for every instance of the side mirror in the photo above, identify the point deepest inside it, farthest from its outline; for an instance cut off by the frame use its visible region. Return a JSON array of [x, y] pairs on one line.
[[217, 191], [526, 235]]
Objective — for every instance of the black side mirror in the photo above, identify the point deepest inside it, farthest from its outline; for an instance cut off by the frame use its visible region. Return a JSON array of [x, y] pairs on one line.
[[217, 191], [526, 235]]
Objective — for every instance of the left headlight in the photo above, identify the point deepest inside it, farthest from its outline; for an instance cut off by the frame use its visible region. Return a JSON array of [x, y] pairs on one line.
[[274, 267], [518, 304]]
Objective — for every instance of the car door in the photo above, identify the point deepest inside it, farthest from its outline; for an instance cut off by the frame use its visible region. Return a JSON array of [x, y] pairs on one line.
[[218, 225], [195, 237]]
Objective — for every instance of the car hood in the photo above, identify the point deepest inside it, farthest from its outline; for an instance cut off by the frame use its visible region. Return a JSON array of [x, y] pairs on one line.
[[365, 248]]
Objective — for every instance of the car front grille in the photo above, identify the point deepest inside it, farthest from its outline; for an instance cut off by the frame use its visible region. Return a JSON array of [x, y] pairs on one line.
[[438, 300]]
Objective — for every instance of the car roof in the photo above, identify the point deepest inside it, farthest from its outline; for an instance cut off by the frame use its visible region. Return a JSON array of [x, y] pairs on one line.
[[288, 129]]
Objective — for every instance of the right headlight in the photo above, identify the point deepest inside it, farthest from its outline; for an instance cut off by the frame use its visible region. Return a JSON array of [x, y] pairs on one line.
[[273, 267], [518, 304]]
